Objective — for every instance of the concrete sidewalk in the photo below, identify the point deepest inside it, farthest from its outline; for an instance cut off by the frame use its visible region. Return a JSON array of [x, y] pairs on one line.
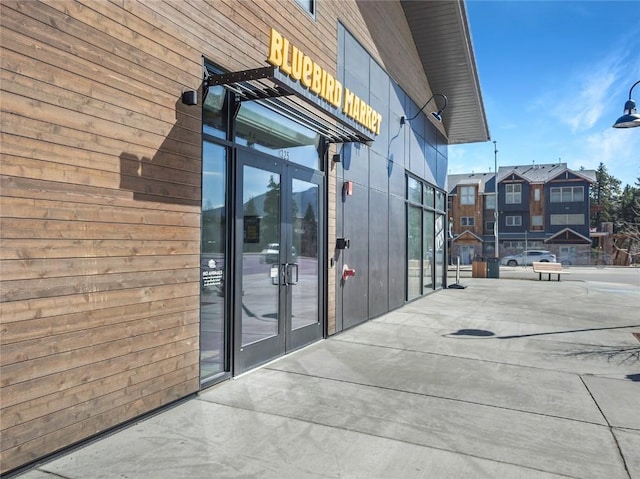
[[504, 379]]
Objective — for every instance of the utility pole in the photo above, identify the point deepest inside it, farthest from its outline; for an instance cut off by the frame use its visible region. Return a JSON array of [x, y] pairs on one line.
[[495, 211]]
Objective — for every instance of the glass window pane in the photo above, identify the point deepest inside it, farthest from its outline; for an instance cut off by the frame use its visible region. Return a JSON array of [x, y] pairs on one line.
[[414, 190], [415, 252], [429, 199], [440, 245], [212, 261], [265, 130], [440, 200], [490, 202], [428, 259], [260, 253], [213, 118], [578, 193], [468, 194], [308, 5], [305, 253]]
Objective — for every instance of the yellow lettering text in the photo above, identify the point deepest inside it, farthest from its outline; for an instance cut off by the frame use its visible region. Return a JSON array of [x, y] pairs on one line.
[[286, 66], [316, 78], [337, 96], [307, 69], [296, 64], [275, 49]]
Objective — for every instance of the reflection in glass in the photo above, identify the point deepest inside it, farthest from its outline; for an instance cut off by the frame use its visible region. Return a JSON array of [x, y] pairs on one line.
[[259, 127], [415, 252], [428, 196], [414, 191], [213, 117], [428, 251], [439, 250], [304, 252], [440, 200], [212, 261], [260, 254]]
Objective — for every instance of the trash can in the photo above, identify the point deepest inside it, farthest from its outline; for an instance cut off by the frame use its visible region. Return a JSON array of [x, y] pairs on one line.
[[479, 268], [493, 267]]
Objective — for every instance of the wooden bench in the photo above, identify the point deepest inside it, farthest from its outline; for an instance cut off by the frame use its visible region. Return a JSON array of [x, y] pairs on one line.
[[548, 268]]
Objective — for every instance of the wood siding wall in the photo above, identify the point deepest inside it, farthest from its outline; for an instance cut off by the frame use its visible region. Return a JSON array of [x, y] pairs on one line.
[[100, 195]]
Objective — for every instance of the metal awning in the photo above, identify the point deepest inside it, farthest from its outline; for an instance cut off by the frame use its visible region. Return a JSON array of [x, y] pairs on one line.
[[276, 91]]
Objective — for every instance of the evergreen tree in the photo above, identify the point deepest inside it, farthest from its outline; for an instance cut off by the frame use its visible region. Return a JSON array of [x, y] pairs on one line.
[[270, 224], [605, 193], [629, 210], [310, 233]]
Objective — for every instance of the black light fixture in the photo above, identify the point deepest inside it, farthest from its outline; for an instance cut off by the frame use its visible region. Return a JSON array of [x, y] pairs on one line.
[[437, 115], [630, 119], [190, 97]]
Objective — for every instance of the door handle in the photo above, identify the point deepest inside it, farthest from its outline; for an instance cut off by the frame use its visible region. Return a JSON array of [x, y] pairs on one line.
[[278, 275], [291, 268]]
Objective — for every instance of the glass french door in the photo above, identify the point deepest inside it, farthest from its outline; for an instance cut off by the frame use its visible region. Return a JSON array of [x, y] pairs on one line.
[[278, 252]]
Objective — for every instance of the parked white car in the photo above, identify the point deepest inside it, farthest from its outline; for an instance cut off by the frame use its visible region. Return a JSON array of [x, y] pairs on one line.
[[528, 257]]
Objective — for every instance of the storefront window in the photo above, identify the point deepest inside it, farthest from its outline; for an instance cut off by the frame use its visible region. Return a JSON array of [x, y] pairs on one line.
[[428, 259], [425, 242], [414, 188], [414, 267], [213, 264], [440, 245]]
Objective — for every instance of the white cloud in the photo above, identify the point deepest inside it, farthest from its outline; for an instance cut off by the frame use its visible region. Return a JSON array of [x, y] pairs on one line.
[[618, 149]]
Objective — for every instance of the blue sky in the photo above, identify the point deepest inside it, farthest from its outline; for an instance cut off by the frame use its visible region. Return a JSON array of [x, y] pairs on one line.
[[554, 77]]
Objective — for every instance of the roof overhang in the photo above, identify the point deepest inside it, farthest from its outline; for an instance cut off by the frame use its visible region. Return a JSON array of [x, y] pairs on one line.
[[567, 235], [468, 235], [272, 88], [442, 37]]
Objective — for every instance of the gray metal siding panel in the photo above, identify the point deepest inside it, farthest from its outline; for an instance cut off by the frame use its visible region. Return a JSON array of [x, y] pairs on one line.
[[397, 251], [378, 172], [378, 253], [355, 301], [355, 163], [396, 179]]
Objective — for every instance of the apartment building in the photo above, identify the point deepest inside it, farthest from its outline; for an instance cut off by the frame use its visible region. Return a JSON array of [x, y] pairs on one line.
[[542, 206]]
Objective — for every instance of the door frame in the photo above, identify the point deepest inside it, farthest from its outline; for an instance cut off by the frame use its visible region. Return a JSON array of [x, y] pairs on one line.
[[287, 339]]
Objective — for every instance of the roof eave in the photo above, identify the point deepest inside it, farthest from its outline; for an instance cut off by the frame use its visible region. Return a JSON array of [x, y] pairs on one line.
[[443, 40]]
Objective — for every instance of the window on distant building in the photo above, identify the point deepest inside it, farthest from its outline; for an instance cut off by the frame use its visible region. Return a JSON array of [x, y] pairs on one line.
[[536, 220], [467, 221], [536, 194], [513, 194], [574, 219], [567, 194], [490, 201], [488, 226], [513, 244], [467, 195], [513, 220]]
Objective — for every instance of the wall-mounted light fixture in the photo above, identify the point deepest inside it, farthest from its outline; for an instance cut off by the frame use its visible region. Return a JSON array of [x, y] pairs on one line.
[[437, 115], [336, 158], [630, 118], [190, 97]]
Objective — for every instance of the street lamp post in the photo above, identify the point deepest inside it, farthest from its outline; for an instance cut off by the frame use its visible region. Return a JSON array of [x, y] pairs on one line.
[[630, 118], [495, 204]]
